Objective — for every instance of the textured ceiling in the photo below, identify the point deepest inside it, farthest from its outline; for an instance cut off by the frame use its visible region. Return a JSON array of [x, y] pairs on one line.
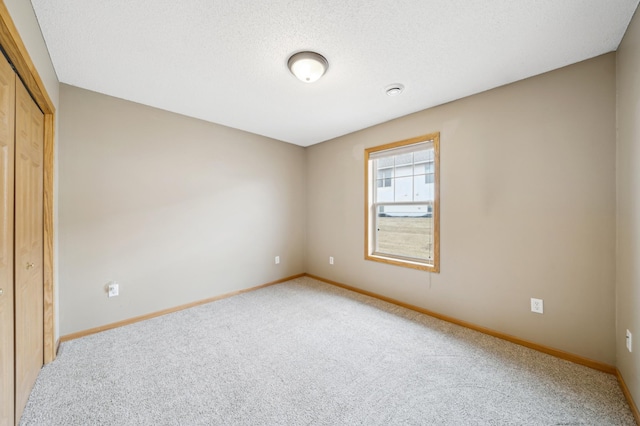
[[225, 61]]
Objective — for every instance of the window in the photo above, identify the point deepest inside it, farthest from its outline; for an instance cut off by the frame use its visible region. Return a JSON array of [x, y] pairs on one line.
[[384, 177], [402, 196]]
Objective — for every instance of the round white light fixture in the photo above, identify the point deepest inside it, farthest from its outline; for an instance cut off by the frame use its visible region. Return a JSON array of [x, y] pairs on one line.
[[394, 89], [308, 66]]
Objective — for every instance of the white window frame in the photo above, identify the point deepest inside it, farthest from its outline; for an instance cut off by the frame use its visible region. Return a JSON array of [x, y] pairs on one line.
[[371, 205]]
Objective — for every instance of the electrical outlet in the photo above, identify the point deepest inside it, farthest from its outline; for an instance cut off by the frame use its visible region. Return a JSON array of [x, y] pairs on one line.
[[330, 260], [277, 260], [629, 341], [537, 305], [113, 289]]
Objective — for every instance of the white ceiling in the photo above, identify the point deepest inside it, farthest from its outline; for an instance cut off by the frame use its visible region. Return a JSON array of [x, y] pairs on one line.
[[225, 61]]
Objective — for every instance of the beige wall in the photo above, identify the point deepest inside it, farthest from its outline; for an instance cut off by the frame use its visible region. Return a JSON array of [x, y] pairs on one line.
[[628, 207], [174, 209], [527, 208], [25, 21]]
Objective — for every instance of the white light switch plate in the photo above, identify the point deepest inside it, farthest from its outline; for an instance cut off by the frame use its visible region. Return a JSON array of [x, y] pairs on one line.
[[114, 289]]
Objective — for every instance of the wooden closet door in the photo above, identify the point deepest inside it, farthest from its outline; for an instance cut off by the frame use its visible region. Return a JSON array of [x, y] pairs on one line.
[[7, 138], [28, 245]]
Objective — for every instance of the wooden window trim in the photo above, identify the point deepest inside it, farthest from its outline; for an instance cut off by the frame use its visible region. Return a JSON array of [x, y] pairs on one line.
[[368, 252], [18, 55]]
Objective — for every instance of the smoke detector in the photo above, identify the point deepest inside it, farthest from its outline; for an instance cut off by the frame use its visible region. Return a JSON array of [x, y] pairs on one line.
[[394, 89]]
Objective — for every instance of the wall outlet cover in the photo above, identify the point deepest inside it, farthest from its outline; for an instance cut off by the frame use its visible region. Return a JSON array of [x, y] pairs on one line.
[[537, 306]]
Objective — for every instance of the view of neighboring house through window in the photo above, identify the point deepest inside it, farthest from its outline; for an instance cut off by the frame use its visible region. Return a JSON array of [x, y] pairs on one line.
[[384, 176], [402, 203]]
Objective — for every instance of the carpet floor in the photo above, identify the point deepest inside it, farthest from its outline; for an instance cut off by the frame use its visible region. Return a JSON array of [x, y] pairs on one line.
[[308, 353]]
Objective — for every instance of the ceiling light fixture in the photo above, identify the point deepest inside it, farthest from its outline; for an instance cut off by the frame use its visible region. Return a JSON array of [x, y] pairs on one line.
[[308, 66], [394, 89]]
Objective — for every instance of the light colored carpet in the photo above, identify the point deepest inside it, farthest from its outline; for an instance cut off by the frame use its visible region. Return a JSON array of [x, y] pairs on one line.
[[307, 353]]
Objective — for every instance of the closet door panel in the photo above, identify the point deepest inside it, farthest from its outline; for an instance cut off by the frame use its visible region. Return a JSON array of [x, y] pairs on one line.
[[28, 245], [7, 126]]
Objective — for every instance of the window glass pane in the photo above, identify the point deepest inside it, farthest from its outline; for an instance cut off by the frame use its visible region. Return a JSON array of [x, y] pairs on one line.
[[404, 164], [427, 167], [384, 181], [422, 191], [427, 189], [405, 231], [384, 194], [405, 170], [403, 189], [384, 177]]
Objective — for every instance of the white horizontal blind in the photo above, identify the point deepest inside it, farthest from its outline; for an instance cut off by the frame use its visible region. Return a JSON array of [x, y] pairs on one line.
[[405, 174], [406, 149]]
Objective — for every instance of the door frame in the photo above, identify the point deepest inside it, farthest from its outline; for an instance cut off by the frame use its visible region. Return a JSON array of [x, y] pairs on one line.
[[18, 55]]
